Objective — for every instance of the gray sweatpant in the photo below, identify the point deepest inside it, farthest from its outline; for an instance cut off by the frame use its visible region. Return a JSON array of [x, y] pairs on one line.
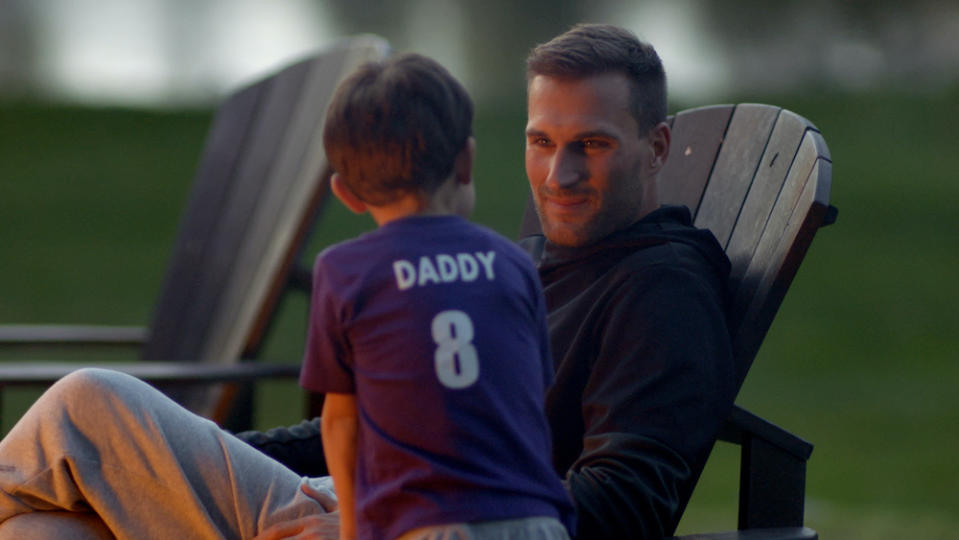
[[104, 443], [533, 528]]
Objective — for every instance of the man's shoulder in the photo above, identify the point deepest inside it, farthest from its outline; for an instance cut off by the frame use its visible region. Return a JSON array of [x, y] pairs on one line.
[[667, 238], [665, 254], [669, 268]]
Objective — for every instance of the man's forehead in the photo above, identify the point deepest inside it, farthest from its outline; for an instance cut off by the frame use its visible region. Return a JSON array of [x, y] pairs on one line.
[[598, 103], [609, 83]]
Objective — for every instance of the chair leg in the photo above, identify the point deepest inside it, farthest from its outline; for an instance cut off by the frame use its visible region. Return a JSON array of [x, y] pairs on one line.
[[772, 486]]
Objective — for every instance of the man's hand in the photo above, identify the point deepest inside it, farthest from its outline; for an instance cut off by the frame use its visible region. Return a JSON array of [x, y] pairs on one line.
[[316, 527], [321, 491]]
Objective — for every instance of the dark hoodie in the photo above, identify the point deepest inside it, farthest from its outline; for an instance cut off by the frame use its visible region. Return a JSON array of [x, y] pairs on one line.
[[644, 370]]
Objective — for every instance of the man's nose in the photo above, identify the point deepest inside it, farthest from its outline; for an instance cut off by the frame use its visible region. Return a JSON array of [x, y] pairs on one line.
[[566, 169]]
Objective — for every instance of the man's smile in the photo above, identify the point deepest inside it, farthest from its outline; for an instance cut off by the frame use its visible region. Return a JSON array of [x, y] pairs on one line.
[[565, 203]]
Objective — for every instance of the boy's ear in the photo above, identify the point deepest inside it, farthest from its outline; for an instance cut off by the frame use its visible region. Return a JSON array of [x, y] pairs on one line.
[[345, 195], [463, 166]]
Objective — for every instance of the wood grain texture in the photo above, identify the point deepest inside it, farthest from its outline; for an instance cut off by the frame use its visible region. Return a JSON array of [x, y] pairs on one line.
[[696, 137], [735, 168], [778, 157]]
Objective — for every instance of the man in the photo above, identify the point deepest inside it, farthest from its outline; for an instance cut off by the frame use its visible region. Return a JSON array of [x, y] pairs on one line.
[[635, 295]]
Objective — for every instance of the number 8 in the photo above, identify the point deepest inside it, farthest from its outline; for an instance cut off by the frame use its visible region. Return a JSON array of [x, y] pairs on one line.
[[450, 347]]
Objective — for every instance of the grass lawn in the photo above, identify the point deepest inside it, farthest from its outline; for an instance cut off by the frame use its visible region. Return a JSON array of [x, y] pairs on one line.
[[859, 360]]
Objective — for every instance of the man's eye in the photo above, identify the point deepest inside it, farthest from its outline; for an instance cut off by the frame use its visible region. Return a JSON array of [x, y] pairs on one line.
[[539, 141], [594, 144]]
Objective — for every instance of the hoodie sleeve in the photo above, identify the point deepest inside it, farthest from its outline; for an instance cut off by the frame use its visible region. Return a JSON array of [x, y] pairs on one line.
[[657, 393]]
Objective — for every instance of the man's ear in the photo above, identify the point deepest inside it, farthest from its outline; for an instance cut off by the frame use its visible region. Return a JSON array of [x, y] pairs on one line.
[[463, 166], [660, 138], [346, 195]]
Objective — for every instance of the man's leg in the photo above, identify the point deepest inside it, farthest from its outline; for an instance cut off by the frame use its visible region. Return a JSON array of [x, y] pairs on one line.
[[59, 525], [105, 442], [299, 447]]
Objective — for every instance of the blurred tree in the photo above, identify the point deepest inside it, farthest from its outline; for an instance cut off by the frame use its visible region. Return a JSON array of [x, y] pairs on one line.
[[495, 35], [501, 36], [761, 45], [853, 43], [188, 48], [18, 48]]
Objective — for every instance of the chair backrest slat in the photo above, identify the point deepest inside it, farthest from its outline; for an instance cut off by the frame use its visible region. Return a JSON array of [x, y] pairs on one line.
[[301, 176], [697, 137], [211, 187], [799, 211], [778, 157], [735, 168], [250, 186], [269, 175], [295, 179]]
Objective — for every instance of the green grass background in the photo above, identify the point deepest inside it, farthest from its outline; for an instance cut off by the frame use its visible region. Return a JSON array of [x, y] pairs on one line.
[[860, 360]]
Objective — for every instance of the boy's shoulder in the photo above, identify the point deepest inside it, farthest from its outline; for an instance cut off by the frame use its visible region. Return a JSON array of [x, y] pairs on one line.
[[419, 236], [504, 245]]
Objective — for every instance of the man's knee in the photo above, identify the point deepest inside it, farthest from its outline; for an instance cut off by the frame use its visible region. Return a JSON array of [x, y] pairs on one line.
[[86, 387], [86, 381]]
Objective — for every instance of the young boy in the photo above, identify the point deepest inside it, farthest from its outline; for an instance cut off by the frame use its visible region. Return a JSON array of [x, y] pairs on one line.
[[427, 335]]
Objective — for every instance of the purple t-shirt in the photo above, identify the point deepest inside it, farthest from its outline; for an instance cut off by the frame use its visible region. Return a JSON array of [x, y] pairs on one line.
[[438, 326]]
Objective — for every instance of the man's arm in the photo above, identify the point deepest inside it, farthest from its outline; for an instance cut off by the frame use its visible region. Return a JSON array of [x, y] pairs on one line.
[[299, 447], [659, 389], [339, 425], [320, 526]]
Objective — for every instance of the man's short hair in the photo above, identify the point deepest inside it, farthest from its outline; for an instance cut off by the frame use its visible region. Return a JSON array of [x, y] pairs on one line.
[[594, 49], [395, 127]]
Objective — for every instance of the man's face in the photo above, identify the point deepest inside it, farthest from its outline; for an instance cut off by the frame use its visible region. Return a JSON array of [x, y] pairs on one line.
[[590, 170]]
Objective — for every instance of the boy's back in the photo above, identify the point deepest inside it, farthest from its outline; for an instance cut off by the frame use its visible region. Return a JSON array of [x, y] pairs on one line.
[[438, 326]]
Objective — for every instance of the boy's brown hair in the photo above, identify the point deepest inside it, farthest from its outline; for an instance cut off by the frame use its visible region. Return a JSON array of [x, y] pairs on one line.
[[395, 127]]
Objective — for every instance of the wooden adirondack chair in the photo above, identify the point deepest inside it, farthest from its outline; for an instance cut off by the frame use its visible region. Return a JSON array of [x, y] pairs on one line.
[[257, 191], [758, 177]]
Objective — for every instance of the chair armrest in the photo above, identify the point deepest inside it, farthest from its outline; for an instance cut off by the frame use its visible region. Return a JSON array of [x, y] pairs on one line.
[[157, 373], [56, 335], [742, 425], [784, 533], [772, 474]]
